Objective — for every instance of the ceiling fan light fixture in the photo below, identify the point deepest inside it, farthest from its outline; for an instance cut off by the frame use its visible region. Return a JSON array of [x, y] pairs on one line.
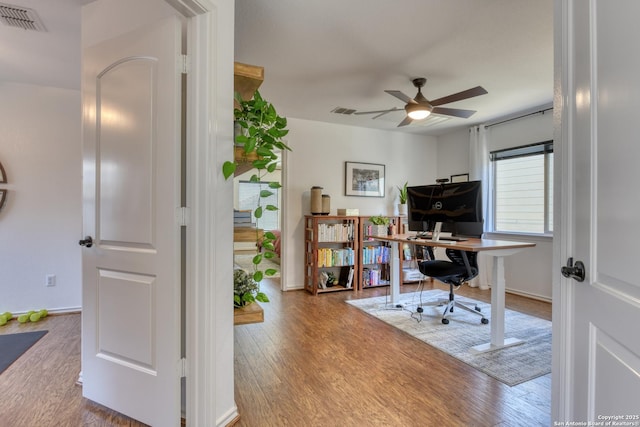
[[417, 111]]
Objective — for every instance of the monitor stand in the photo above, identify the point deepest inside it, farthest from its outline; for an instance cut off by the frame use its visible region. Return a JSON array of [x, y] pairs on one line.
[[435, 236]]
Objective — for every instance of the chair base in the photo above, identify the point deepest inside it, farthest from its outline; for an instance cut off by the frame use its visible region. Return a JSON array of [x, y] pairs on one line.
[[449, 305]]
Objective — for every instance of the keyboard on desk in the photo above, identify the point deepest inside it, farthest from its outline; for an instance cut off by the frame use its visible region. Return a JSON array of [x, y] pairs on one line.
[[445, 238], [452, 239]]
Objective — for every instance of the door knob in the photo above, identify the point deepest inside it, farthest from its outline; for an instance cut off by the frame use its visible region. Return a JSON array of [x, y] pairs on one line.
[[87, 241], [574, 271]]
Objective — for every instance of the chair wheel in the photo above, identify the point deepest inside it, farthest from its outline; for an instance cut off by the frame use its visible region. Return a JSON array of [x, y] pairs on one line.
[[478, 308], [419, 310], [484, 321], [445, 321]]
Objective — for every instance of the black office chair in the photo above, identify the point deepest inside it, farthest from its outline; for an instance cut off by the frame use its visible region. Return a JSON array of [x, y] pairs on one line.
[[462, 268]]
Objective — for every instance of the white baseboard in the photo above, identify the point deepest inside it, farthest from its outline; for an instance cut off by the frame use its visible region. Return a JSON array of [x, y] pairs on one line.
[[67, 310], [528, 295]]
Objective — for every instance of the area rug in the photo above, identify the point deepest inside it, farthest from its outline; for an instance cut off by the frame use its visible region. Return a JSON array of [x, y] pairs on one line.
[[12, 346], [245, 261], [511, 365]]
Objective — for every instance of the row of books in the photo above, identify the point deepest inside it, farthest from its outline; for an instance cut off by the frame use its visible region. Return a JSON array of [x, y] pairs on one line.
[[242, 218], [336, 232], [376, 254], [330, 257], [374, 277]]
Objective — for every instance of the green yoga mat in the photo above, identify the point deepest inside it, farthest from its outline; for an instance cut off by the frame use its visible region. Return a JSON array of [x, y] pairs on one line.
[[12, 346]]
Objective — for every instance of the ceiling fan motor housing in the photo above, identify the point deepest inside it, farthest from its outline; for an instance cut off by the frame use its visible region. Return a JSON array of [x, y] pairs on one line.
[[419, 82]]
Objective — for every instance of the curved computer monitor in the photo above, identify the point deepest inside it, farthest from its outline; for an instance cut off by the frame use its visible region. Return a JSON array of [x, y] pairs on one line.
[[459, 202]]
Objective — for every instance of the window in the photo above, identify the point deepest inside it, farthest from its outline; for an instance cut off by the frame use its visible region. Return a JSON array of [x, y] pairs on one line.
[[248, 195], [523, 190]]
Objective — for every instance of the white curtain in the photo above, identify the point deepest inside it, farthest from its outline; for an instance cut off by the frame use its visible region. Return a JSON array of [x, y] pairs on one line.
[[479, 170]]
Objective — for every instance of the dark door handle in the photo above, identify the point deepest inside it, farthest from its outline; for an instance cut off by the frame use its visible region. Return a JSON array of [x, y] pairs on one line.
[[87, 241], [574, 271]]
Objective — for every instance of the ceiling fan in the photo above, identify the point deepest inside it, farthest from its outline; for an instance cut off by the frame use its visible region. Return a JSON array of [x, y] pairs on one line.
[[419, 107]]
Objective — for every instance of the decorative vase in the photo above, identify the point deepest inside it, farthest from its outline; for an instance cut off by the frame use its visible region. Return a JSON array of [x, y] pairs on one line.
[[316, 200], [402, 209], [326, 204]]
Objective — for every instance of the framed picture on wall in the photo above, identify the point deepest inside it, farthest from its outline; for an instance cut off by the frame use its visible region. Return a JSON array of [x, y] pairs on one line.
[[461, 177], [3, 176], [364, 179]]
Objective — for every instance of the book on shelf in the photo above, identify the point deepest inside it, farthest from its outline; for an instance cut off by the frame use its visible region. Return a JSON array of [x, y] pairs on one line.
[[331, 257], [376, 254], [335, 232], [346, 277], [244, 224], [242, 220]]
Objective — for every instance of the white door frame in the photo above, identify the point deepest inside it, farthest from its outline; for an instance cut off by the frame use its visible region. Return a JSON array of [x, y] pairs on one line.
[[562, 290], [209, 317], [560, 391]]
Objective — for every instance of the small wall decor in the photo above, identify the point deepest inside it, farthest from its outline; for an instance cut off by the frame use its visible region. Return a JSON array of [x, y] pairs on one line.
[[461, 177], [3, 196], [364, 179], [3, 175]]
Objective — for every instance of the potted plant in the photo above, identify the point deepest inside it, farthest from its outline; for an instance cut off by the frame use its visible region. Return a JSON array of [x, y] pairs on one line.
[[402, 207], [381, 225], [245, 289], [259, 140]]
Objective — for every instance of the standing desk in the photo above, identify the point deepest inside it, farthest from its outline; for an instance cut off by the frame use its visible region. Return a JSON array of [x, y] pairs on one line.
[[498, 249]]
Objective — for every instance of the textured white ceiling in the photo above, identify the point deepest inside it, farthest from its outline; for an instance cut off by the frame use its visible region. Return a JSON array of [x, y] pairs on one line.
[[50, 58], [322, 54], [319, 55]]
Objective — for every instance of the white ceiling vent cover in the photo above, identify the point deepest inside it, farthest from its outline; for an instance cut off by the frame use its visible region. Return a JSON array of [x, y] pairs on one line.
[[21, 17]]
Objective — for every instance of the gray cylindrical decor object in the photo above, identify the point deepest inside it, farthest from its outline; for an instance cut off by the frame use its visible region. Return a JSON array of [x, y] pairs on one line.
[[316, 200], [326, 204]]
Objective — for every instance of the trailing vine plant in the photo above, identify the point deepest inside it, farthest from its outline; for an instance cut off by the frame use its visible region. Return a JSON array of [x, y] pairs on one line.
[[260, 137]]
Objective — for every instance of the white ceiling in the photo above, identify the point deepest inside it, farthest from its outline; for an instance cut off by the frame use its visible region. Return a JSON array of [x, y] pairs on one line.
[[322, 54], [50, 58]]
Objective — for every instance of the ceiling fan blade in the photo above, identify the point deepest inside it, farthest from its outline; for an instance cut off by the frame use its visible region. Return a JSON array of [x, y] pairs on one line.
[[469, 93], [455, 112], [382, 114], [401, 96], [406, 121], [379, 111]]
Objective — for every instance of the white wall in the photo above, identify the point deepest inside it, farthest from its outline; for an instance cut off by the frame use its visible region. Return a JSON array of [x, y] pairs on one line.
[[528, 272], [453, 153], [319, 152], [41, 222]]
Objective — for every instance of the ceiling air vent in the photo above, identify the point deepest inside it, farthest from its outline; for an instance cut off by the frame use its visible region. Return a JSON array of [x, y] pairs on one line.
[[342, 110], [21, 17]]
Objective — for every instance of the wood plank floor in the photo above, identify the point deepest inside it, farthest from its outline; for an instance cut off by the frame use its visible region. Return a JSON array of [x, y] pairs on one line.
[[316, 361], [39, 389]]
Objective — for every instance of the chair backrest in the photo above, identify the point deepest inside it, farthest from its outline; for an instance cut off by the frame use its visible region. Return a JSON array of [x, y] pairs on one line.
[[455, 256]]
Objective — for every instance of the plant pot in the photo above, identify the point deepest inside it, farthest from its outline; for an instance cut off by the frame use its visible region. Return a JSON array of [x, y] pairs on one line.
[[402, 209], [379, 230]]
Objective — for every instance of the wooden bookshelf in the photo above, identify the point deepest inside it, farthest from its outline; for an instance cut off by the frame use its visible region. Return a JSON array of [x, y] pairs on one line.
[[375, 256], [331, 247]]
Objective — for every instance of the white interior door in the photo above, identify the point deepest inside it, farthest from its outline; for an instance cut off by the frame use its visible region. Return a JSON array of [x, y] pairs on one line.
[[131, 280], [596, 339]]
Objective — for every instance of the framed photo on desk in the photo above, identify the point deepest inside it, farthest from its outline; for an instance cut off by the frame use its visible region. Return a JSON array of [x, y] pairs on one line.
[[363, 179]]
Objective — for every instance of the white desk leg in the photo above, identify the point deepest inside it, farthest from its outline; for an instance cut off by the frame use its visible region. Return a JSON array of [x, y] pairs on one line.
[[396, 273], [497, 312]]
